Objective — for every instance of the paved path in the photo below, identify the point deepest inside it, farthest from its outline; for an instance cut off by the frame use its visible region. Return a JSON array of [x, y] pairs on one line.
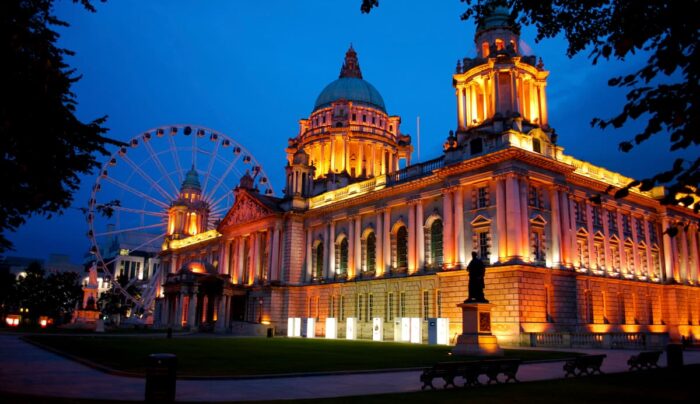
[[26, 369]]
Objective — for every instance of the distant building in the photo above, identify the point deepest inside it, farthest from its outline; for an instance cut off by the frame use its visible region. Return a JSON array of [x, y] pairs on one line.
[[358, 237], [17, 265]]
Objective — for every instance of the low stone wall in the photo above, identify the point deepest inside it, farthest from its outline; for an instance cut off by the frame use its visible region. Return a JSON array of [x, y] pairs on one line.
[[595, 340]]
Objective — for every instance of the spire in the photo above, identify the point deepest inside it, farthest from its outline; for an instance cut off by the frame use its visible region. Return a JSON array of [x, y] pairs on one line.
[[351, 67]]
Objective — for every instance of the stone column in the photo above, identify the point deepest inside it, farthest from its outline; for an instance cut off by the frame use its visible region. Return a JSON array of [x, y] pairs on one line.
[[178, 312], [255, 270], [386, 244], [173, 263], [501, 232], [513, 217], [326, 249], [360, 156], [461, 119], [543, 104], [668, 249], [411, 237], [683, 253], [460, 253], [555, 228], [420, 236], [351, 248], [309, 267], [606, 241], [333, 153], [379, 248], [621, 244], [573, 232], [241, 269], [647, 240], [331, 249], [635, 249], [589, 227], [358, 244], [274, 262], [447, 228], [192, 310], [524, 221], [221, 314], [565, 227]]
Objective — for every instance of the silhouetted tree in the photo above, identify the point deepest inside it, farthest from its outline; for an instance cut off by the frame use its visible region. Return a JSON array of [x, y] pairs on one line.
[[114, 303], [664, 92], [64, 293], [44, 146]]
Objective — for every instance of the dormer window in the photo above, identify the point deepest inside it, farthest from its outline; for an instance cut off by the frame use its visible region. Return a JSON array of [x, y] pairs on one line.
[[536, 146], [500, 45]]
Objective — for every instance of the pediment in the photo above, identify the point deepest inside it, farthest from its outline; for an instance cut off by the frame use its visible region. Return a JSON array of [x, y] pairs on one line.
[[481, 220], [245, 209]]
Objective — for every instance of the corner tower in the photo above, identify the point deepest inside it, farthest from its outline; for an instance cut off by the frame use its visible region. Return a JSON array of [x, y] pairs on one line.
[[189, 213], [349, 135], [500, 89]]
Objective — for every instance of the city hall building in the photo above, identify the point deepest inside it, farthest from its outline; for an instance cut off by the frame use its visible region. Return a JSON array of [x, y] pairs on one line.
[[357, 237]]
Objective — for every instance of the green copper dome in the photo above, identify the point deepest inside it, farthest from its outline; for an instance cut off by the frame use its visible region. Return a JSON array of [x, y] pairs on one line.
[[499, 17], [350, 86], [192, 180]]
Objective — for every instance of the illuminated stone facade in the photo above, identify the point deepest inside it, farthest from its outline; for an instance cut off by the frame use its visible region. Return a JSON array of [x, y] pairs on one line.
[[355, 236]]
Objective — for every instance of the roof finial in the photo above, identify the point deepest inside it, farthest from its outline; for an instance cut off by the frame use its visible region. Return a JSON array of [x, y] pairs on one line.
[[351, 66]]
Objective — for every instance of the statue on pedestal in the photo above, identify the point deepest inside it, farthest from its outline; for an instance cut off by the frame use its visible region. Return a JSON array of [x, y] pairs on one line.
[[477, 270]]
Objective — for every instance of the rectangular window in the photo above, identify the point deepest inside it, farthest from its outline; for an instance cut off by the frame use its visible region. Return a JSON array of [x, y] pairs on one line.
[[612, 222], [364, 118], [402, 304], [626, 228], [597, 217], [483, 246], [482, 197], [535, 197], [580, 210], [652, 232], [426, 304], [370, 307], [354, 117], [317, 307], [331, 306], [390, 306], [438, 303], [640, 229]]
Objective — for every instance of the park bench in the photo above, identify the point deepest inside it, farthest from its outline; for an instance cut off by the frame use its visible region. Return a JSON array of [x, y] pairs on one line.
[[644, 360], [471, 371], [507, 367], [584, 365], [447, 371]]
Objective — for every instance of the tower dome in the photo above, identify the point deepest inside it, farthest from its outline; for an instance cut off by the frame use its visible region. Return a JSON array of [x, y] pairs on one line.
[[350, 86]]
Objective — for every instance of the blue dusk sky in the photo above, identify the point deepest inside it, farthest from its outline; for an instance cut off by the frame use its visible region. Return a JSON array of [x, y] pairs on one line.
[[252, 69]]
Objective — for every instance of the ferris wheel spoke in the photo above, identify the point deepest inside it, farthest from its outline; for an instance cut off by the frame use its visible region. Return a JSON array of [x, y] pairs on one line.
[[137, 192], [176, 158], [129, 229], [140, 211], [212, 160], [161, 167], [138, 247], [148, 178], [211, 194]]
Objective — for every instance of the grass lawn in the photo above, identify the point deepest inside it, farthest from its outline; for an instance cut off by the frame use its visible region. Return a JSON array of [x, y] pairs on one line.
[[656, 386], [202, 356]]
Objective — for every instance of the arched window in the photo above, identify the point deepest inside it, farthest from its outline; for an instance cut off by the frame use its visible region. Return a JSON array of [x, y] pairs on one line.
[[485, 49], [536, 146], [434, 244], [318, 261], [500, 45], [369, 252], [401, 257], [341, 256]]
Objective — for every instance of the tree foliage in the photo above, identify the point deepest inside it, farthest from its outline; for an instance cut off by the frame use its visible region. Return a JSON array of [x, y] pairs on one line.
[[55, 295], [664, 92], [114, 303], [44, 147]]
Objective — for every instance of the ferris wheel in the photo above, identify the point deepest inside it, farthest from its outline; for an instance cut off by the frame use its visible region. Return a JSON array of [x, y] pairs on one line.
[[127, 212]]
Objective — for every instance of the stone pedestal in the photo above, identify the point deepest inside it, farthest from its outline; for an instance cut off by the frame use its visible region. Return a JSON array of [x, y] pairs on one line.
[[476, 337]]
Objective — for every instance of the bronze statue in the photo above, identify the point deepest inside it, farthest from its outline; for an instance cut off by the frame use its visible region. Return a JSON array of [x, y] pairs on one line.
[[476, 269]]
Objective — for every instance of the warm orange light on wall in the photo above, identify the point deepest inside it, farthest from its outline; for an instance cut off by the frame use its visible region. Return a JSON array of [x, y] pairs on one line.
[[599, 328], [193, 224], [197, 267]]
